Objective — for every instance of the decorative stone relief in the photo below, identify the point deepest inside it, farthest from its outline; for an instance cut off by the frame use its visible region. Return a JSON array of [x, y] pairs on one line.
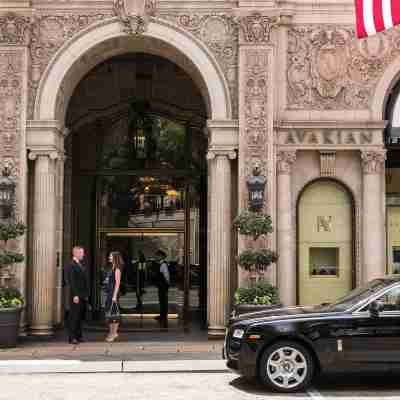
[[255, 104], [220, 34], [15, 29], [373, 161], [256, 28], [134, 14], [49, 33], [328, 68], [328, 163], [11, 94], [285, 160]]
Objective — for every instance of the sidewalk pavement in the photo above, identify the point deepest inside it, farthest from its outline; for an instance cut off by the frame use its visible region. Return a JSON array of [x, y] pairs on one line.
[[132, 352], [19, 367]]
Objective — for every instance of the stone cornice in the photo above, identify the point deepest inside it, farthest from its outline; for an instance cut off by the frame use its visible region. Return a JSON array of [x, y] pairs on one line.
[[285, 125], [47, 136]]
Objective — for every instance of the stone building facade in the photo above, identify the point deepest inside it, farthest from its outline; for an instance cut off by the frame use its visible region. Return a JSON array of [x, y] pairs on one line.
[[286, 87]]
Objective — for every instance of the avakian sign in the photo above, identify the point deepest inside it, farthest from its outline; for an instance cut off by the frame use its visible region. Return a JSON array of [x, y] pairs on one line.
[[330, 137]]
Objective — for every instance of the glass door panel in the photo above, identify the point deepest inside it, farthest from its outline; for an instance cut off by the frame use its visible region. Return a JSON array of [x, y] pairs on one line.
[[139, 298], [131, 201]]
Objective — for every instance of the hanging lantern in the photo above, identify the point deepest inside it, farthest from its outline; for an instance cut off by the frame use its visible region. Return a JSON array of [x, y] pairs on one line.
[[256, 186], [7, 193]]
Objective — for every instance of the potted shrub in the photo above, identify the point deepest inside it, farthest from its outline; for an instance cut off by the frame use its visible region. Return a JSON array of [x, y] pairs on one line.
[[11, 301], [257, 294]]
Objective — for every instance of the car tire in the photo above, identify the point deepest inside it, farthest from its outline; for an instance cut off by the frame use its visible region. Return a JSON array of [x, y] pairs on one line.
[[286, 367]]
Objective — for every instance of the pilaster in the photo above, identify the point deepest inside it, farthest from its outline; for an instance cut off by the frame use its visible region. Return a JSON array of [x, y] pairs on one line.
[[256, 108], [14, 66], [286, 242], [373, 163]]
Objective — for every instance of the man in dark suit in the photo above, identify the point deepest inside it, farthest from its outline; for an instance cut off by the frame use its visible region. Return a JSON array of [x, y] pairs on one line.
[[78, 294]]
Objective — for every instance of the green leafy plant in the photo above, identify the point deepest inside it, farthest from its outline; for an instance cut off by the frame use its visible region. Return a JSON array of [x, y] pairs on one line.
[[255, 259], [253, 224], [260, 293], [258, 258], [10, 297]]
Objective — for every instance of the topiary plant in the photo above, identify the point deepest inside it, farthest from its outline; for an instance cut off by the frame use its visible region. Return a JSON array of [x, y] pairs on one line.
[[260, 293], [10, 297]]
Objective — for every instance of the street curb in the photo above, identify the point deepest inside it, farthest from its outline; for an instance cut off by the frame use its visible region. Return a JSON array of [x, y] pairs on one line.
[[14, 367]]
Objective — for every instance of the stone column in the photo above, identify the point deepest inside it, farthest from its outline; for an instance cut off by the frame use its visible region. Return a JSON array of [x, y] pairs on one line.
[[285, 228], [44, 243], [219, 244], [373, 219]]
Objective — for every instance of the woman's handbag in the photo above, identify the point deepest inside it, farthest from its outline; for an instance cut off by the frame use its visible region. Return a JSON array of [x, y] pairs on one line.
[[113, 314]]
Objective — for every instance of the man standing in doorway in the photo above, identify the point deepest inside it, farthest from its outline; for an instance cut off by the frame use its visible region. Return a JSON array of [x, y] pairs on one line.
[[79, 294], [163, 286]]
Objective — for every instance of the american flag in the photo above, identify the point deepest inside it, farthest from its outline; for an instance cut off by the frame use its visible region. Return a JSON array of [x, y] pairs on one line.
[[374, 16]]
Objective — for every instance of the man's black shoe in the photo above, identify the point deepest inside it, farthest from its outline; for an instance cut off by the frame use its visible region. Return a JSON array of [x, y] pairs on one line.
[[81, 340], [73, 341]]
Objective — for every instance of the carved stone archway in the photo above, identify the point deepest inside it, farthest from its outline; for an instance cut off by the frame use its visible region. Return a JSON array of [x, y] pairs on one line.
[[107, 39]]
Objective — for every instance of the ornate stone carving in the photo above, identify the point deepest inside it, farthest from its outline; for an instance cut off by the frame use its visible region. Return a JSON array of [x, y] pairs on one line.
[[285, 160], [220, 34], [49, 33], [11, 66], [373, 161], [15, 29], [328, 163], [256, 101], [134, 14], [328, 68], [256, 28]]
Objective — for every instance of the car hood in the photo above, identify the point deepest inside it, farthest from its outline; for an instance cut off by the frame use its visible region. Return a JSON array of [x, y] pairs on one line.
[[285, 313]]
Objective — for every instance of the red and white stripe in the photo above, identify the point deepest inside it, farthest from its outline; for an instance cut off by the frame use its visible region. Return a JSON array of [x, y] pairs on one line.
[[374, 16]]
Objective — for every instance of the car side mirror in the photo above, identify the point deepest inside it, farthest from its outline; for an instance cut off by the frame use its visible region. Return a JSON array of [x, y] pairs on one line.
[[375, 308]]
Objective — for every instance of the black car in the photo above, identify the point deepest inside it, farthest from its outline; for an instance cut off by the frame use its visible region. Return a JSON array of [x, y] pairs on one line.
[[285, 348]]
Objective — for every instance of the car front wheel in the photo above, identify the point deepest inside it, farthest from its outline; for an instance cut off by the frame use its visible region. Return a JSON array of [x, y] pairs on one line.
[[286, 367]]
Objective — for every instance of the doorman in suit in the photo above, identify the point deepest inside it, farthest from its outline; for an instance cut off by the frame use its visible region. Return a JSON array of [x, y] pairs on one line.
[[78, 294]]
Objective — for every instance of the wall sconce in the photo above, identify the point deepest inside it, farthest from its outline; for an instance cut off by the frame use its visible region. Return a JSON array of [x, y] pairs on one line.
[[7, 193], [256, 186]]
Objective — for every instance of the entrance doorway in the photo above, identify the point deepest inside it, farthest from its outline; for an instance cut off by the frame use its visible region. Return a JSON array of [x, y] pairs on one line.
[[139, 185]]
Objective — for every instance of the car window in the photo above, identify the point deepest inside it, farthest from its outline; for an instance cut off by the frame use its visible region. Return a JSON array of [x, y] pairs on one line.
[[390, 300], [359, 294]]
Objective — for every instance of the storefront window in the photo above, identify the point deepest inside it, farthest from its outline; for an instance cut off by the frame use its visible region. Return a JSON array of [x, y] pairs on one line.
[[324, 261]]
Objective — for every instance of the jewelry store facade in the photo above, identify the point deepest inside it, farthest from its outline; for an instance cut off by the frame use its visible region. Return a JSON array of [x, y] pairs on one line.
[[278, 86]]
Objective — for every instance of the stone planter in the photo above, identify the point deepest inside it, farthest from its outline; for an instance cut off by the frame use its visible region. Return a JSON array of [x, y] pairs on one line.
[[249, 308], [9, 326]]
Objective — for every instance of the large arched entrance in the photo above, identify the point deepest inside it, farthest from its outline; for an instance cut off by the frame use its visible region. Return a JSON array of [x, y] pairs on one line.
[[137, 184], [135, 176]]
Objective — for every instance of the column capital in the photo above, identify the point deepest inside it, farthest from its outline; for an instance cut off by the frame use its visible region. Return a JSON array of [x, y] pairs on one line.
[[228, 153], [285, 160], [50, 153], [255, 27], [373, 161]]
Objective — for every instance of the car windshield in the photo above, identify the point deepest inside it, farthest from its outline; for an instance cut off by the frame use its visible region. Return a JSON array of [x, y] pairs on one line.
[[357, 295]]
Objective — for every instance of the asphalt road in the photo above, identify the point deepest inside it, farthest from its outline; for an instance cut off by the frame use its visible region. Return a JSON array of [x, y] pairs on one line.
[[178, 386]]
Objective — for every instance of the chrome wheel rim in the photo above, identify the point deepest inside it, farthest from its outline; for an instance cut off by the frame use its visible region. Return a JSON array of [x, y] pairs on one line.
[[287, 368]]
